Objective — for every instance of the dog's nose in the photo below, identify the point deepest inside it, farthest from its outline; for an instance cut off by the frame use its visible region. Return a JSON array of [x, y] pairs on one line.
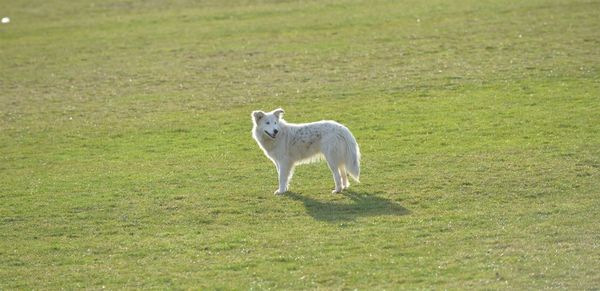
[[275, 131]]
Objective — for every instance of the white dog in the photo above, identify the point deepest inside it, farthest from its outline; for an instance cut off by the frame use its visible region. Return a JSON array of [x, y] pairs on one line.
[[288, 144]]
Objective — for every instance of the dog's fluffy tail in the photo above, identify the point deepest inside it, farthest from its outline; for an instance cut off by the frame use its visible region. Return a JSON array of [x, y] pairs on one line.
[[352, 156]]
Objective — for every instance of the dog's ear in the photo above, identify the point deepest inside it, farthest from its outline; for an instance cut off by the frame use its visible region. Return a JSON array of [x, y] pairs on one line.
[[278, 112], [257, 115]]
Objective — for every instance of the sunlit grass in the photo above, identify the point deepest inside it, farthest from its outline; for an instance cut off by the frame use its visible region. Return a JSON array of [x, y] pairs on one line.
[[127, 160]]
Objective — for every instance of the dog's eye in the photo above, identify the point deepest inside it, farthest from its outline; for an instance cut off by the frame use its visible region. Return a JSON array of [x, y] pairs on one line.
[[268, 123], [275, 122]]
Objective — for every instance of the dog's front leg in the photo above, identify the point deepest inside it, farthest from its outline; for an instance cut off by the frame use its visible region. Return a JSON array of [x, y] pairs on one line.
[[284, 174]]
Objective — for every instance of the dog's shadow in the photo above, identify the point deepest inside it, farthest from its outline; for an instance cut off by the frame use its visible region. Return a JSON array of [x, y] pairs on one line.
[[361, 205]]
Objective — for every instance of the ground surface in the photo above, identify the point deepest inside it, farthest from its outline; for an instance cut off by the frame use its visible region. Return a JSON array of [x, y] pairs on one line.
[[126, 158]]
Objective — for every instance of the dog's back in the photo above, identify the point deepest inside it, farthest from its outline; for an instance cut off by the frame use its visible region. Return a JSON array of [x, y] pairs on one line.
[[309, 142]]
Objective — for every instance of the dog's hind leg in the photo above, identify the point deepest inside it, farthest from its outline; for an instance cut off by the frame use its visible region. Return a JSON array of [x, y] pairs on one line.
[[344, 175], [337, 178]]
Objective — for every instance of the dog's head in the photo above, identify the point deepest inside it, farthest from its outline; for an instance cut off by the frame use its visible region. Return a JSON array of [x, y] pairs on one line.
[[267, 123]]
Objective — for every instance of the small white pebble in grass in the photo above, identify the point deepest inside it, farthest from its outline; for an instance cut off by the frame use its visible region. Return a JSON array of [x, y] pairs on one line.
[[5, 20]]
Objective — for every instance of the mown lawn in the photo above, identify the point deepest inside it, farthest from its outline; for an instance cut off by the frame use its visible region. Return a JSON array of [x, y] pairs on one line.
[[126, 159]]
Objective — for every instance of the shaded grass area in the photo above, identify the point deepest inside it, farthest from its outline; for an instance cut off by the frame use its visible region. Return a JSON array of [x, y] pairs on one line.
[[126, 157]]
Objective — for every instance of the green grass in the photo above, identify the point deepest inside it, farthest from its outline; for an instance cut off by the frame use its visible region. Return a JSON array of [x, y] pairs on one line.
[[126, 159]]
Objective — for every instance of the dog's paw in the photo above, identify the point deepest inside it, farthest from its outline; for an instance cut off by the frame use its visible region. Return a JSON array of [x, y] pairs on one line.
[[336, 191], [278, 192]]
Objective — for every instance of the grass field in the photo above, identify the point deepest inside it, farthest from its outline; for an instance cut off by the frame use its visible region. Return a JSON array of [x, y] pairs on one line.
[[126, 159]]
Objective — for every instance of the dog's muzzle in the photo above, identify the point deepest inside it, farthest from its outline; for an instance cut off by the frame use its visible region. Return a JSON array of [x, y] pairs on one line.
[[272, 135]]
